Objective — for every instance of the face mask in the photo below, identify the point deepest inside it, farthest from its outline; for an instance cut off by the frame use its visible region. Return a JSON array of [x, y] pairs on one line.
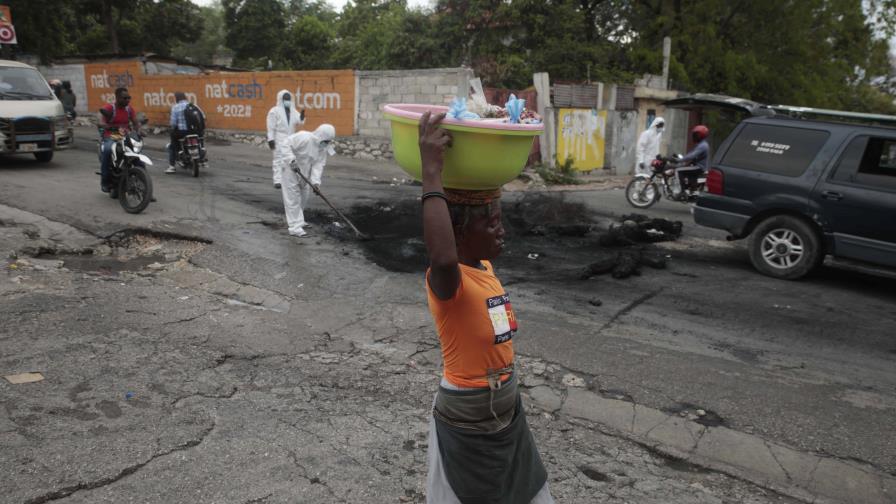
[[287, 103]]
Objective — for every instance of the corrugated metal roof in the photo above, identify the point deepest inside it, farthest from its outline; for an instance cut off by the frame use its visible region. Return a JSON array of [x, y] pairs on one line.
[[575, 96]]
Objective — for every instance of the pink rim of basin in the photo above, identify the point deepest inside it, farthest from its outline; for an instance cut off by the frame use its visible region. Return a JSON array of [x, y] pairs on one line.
[[415, 112]]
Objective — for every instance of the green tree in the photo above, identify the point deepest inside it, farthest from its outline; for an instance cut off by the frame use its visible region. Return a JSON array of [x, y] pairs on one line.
[[822, 53], [255, 30], [482, 34], [308, 45], [212, 41], [156, 26], [44, 36], [417, 43], [366, 29], [570, 39], [297, 9], [56, 28]]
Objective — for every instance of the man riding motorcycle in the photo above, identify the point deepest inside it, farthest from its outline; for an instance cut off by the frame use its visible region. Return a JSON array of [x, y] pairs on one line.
[[694, 162], [114, 117], [181, 126]]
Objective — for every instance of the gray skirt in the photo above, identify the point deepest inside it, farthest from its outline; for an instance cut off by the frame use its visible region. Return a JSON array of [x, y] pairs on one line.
[[438, 487]]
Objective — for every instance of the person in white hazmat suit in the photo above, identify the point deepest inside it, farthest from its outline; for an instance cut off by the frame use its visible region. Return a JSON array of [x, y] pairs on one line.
[[649, 145], [282, 121], [308, 154]]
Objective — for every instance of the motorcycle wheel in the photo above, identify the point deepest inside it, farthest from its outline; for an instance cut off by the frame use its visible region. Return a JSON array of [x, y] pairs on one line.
[[135, 190], [641, 193], [195, 168]]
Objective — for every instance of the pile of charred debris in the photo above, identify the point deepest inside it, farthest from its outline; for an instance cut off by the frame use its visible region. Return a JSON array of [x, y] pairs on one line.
[[622, 252], [547, 237]]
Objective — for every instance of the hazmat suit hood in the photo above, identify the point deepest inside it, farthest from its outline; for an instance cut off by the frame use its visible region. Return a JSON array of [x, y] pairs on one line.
[[279, 128], [326, 133], [292, 112]]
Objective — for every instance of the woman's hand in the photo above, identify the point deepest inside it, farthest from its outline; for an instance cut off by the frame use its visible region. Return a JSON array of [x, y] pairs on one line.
[[433, 142]]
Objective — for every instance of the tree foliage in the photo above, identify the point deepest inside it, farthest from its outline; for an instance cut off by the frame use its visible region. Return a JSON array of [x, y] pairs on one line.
[[824, 53], [211, 44], [828, 53], [255, 29], [57, 28], [308, 44]]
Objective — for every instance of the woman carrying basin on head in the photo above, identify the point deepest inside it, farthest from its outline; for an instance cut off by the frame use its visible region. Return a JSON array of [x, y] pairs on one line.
[[480, 446]]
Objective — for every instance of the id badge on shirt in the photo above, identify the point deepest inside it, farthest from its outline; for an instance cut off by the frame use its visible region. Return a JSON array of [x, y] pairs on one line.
[[503, 319]]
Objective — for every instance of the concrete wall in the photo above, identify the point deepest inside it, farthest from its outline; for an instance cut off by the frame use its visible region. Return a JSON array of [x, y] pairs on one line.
[[622, 139], [73, 73], [360, 96], [675, 136], [378, 88], [624, 128]]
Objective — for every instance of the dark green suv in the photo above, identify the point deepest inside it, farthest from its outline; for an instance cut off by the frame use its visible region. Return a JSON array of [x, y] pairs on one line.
[[806, 188]]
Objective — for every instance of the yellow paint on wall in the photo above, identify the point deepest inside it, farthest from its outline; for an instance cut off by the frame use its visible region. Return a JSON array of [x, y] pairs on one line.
[[581, 135]]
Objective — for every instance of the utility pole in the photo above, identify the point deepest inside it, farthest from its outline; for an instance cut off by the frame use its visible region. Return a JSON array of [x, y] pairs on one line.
[[667, 54], [547, 139]]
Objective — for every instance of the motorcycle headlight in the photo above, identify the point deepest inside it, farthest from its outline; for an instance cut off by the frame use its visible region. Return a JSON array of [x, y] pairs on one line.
[[134, 142]]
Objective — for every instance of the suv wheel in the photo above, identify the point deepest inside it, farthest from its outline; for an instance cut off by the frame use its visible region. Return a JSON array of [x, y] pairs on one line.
[[785, 247]]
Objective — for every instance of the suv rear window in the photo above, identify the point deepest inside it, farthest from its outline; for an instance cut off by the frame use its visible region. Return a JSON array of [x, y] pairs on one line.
[[775, 149]]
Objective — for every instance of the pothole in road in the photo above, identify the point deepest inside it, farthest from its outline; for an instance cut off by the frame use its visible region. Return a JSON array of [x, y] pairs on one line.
[[697, 414], [594, 474], [682, 465], [127, 250]]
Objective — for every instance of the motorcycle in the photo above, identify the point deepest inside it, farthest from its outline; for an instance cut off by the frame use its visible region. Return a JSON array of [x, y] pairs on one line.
[[131, 183], [189, 153], [645, 190]]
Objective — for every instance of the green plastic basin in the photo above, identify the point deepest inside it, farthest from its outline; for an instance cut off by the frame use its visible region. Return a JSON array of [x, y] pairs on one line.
[[484, 155]]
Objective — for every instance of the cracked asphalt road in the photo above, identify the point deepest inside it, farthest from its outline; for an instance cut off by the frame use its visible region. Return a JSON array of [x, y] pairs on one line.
[[267, 369]]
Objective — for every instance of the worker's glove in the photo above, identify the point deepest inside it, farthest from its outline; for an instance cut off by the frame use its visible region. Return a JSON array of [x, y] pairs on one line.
[[271, 144], [302, 115], [316, 188]]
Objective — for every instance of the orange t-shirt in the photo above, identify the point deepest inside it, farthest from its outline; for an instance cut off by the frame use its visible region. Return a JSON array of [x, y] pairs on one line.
[[475, 326]]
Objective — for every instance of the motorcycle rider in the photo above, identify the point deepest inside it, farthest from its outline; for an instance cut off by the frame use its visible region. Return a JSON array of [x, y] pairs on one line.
[[307, 153], [649, 145], [694, 162], [282, 121], [180, 127], [118, 115], [68, 99], [56, 86]]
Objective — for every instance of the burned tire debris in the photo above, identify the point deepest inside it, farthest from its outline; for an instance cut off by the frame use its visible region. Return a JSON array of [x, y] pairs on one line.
[[547, 237], [631, 233], [633, 229]]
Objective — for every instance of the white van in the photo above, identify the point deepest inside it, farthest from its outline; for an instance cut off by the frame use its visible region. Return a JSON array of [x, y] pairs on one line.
[[32, 120]]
